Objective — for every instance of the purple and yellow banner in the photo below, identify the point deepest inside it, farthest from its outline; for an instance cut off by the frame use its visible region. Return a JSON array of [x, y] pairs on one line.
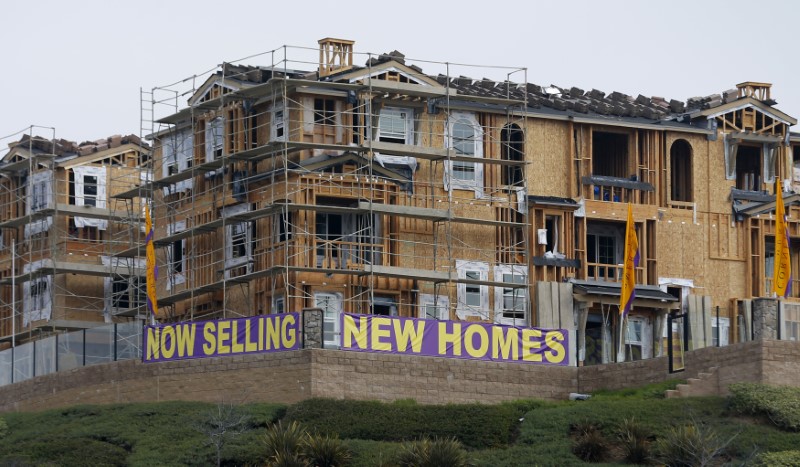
[[628, 287], [782, 269], [453, 339], [201, 339]]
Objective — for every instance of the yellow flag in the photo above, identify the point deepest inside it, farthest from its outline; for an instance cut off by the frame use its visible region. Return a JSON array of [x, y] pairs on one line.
[[631, 261], [782, 272], [152, 268]]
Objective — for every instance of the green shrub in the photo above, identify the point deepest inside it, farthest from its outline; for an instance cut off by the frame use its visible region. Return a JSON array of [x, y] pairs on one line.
[[3, 428], [325, 451], [283, 442], [781, 404], [292, 445], [635, 440], [780, 459], [590, 444], [477, 426], [427, 452], [691, 445]]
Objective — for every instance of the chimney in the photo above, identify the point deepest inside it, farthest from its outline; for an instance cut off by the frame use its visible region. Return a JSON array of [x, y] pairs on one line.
[[755, 90], [335, 55]]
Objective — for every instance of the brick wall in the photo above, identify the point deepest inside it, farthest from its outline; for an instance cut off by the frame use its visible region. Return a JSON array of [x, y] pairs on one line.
[[289, 377], [429, 380], [279, 377]]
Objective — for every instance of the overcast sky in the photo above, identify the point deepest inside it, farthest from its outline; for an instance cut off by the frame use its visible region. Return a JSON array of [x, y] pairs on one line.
[[78, 66]]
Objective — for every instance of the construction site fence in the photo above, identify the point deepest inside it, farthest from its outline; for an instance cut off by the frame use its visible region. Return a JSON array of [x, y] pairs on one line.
[[62, 352]]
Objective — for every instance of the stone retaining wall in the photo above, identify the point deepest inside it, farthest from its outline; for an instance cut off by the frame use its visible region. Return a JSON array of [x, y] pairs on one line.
[[290, 377]]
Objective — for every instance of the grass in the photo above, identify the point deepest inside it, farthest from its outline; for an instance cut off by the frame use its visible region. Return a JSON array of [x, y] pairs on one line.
[[519, 433]]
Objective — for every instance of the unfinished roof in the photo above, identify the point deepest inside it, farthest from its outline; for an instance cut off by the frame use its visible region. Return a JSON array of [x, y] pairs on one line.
[[62, 149]]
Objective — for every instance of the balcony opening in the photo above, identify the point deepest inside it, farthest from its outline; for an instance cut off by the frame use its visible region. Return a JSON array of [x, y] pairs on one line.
[[604, 250], [610, 154], [748, 168], [347, 240]]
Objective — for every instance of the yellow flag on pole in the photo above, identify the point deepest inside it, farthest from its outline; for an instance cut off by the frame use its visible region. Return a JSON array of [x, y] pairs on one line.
[[152, 267], [631, 261], [782, 272]]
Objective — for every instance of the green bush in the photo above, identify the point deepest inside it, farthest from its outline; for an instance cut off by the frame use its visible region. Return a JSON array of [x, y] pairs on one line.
[[477, 426], [781, 404], [427, 452], [590, 445], [283, 443], [3, 428], [291, 445], [691, 445], [779, 459], [326, 451], [635, 440]]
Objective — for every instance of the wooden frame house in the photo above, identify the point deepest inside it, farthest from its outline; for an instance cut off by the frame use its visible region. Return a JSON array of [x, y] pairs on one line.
[[61, 229]]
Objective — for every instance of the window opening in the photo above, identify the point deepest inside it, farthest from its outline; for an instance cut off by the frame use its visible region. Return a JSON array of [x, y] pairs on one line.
[[681, 171], [610, 154], [324, 111], [512, 148]]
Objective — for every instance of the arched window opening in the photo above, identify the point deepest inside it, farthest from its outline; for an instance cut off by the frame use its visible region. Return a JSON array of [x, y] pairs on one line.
[[681, 171]]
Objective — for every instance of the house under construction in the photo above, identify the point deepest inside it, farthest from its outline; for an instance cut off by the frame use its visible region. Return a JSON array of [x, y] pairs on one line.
[[61, 232], [370, 185]]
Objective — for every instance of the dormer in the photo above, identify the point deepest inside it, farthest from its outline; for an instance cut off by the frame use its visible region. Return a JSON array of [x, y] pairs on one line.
[[753, 132]]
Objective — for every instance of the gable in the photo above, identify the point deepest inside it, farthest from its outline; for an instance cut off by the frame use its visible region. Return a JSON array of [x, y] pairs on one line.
[[213, 88], [389, 71], [748, 114]]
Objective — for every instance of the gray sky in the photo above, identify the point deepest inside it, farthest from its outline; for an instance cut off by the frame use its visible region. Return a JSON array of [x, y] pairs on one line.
[[78, 65]]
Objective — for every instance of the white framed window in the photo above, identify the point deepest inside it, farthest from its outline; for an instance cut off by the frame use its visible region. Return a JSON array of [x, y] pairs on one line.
[[278, 124], [396, 125], [37, 301], [331, 305], [511, 303], [90, 190], [40, 191], [790, 321], [215, 139], [465, 137], [720, 330], [278, 304], [177, 156], [176, 256], [473, 298], [604, 249], [238, 240], [39, 294], [638, 338], [434, 307]]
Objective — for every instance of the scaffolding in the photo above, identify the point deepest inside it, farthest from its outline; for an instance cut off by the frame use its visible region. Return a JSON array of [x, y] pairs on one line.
[[368, 189], [59, 232]]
